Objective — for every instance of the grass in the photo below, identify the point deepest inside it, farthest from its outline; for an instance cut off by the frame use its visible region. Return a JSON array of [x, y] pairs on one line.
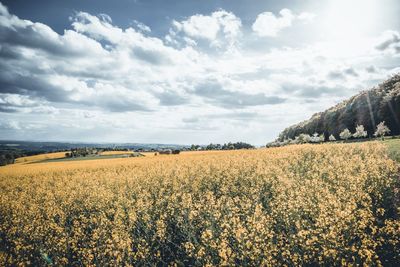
[[311, 205], [394, 148]]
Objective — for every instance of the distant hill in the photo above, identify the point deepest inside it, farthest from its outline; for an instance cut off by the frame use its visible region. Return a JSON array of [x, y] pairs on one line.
[[370, 107], [11, 149], [46, 147]]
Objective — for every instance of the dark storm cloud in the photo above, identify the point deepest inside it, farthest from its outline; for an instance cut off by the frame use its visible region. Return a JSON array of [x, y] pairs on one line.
[[216, 94]]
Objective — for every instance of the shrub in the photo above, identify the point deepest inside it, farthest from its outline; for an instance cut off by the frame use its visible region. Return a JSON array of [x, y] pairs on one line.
[[381, 130], [360, 132], [345, 134]]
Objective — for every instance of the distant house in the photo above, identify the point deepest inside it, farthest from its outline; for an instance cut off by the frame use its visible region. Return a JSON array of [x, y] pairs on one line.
[[82, 152]]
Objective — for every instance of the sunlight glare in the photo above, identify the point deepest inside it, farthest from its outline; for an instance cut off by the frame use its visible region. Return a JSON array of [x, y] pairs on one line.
[[347, 20]]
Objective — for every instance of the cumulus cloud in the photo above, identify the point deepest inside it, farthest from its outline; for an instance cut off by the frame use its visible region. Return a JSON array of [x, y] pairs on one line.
[[141, 26], [38, 36], [77, 68], [97, 27], [219, 28], [202, 72], [268, 24], [13, 103]]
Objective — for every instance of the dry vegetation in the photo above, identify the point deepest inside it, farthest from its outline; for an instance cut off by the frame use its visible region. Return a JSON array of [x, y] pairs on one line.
[[117, 152], [41, 157], [296, 205]]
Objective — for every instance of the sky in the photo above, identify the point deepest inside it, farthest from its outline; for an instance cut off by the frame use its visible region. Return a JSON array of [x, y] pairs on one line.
[[187, 71]]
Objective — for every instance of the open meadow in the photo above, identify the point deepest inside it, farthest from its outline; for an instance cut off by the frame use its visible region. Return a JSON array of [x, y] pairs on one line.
[[332, 204]]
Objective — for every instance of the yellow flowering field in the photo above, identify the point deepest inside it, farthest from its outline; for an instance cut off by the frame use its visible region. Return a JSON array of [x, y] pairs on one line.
[[30, 159], [331, 204]]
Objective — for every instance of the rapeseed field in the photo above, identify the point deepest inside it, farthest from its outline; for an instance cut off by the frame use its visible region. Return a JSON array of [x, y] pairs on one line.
[[331, 204]]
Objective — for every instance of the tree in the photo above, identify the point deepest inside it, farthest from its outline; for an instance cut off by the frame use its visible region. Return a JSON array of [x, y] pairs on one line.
[[315, 138], [194, 147], [381, 130], [303, 138], [322, 137], [332, 138], [360, 132], [345, 134], [381, 103]]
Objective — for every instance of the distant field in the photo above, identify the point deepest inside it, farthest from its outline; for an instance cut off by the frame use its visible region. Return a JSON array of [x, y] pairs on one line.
[[108, 153], [394, 148], [330, 204], [40, 157], [95, 157], [60, 156]]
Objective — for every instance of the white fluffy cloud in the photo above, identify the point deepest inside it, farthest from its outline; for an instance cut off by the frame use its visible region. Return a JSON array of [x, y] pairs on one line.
[[267, 24], [97, 27], [200, 83], [218, 28]]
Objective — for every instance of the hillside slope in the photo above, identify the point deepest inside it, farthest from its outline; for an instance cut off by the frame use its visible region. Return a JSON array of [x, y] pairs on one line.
[[381, 103]]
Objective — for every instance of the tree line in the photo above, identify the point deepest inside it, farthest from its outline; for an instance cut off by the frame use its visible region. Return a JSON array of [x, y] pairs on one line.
[[9, 156], [226, 146], [360, 132]]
